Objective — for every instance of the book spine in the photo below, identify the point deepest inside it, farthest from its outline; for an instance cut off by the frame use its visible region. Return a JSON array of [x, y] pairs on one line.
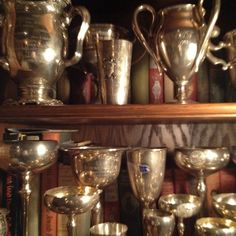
[[130, 209], [156, 83], [111, 203], [139, 78], [48, 180], [168, 183], [11, 201], [169, 90]]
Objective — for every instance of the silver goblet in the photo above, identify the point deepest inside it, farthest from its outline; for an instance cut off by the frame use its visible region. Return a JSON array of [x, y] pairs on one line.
[[182, 206], [180, 40], [108, 229], [225, 205], [146, 170], [158, 222], [201, 162], [35, 45], [71, 200], [97, 167], [24, 159], [214, 226]]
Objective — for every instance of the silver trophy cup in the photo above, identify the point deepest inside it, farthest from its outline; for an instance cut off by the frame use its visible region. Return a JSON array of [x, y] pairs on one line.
[[179, 41], [35, 45]]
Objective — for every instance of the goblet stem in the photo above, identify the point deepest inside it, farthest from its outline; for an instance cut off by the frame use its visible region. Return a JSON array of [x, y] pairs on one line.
[[182, 94], [71, 225], [25, 193], [97, 214], [201, 188], [180, 226]]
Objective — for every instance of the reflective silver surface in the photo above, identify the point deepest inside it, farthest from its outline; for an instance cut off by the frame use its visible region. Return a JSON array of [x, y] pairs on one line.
[[114, 64], [158, 222], [225, 205], [35, 45], [26, 158], [213, 226], [201, 162], [71, 200], [98, 167], [109, 228], [182, 206], [180, 40], [146, 169]]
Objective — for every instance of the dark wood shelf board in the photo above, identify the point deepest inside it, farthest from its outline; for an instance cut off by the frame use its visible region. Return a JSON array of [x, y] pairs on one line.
[[109, 114]]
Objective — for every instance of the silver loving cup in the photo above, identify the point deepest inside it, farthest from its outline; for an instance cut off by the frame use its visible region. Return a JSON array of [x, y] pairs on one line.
[[114, 64], [178, 43], [35, 45]]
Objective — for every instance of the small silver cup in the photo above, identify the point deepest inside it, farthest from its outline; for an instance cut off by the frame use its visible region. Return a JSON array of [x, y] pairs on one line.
[[114, 64], [109, 228], [159, 222]]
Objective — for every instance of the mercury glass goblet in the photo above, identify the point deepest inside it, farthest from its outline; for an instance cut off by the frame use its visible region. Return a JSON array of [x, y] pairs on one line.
[[24, 159], [182, 206], [96, 166], [225, 205], [146, 170], [159, 222], [201, 162], [71, 200], [214, 226]]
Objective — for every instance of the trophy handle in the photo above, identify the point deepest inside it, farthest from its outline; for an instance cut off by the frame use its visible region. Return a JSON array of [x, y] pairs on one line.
[[140, 35], [85, 15], [208, 34]]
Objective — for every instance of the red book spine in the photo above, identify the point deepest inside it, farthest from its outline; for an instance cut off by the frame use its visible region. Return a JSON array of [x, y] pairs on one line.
[[156, 83], [168, 183], [49, 179]]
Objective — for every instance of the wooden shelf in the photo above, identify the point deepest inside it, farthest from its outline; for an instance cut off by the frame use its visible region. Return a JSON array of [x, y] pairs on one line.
[[113, 114]]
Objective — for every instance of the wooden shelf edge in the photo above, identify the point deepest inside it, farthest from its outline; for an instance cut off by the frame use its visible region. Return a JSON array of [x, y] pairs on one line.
[[125, 114]]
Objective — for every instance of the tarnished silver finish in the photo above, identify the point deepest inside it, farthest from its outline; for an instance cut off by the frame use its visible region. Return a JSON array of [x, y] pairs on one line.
[[35, 45], [114, 64], [214, 226], [158, 222], [109, 228], [180, 40], [201, 162], [146, 169], [26, 158], [98, 167], [182, 206], [225, 205], [71, 200]]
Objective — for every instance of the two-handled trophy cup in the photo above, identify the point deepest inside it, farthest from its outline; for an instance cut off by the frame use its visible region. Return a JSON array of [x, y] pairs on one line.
[[179, 41], [35, 46]]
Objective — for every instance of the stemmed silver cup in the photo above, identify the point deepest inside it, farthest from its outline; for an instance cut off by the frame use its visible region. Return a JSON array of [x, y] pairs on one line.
[[96, 166], [201, 162], [225, 205], [182, 206], [146, 170], [71, 201], [24, 159]]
